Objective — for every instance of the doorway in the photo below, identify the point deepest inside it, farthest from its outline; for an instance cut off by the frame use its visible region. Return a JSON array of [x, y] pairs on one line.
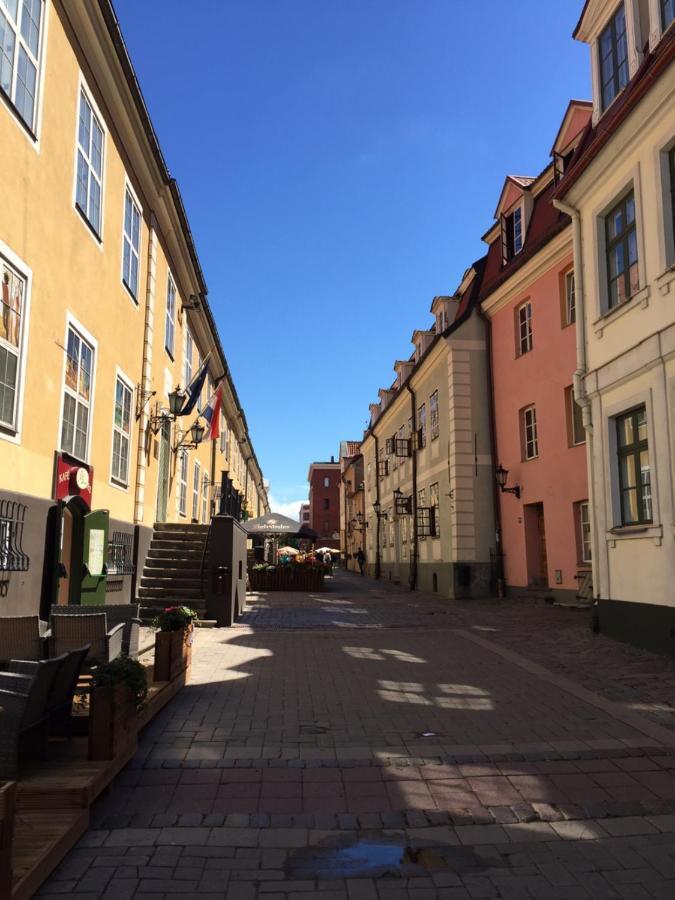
[[535, 545], [163, 473]]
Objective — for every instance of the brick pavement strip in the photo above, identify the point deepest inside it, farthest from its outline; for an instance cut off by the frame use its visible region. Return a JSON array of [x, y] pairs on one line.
[[301, 731]]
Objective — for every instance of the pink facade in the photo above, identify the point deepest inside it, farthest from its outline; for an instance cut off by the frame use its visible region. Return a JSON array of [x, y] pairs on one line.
[[554, 482]]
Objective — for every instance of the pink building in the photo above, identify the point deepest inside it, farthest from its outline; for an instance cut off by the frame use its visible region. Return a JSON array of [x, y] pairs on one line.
[[528, 295]]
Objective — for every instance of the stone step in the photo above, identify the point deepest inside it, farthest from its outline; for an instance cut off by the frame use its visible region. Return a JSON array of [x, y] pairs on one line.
[[178, 547], [171, 590], [177, 568], [183, 527], [154, 580], [178, 555]]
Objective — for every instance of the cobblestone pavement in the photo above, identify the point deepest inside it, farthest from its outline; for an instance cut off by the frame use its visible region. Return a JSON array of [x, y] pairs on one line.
[[372, 744]]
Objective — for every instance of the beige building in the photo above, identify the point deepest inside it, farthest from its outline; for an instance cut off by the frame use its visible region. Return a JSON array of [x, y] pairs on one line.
[[429, 476], [620, 192], [352, 504], [104, 315]]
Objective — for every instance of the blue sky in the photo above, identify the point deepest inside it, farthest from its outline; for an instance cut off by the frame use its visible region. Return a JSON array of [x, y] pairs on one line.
[[339, 161]]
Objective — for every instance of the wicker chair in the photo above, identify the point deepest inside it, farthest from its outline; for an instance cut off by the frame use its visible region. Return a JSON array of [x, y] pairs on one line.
[[60, 700], [126, 613], [70, 632], [22, 637], [24, 711]]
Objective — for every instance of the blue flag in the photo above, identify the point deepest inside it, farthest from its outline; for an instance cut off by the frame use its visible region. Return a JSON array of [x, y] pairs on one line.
[[194, 389]]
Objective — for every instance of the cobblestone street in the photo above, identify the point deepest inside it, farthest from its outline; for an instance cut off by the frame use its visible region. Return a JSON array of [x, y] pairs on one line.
[[372, 744]]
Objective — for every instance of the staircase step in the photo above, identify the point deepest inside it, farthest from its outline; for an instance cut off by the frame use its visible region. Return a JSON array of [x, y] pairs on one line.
[[181, 527], [160, 543], [171, 590], [180, 584]]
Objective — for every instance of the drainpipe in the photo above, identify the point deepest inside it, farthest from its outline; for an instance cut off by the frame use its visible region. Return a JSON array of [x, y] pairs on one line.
[[501, 588], [412, 580], [378, 554], [580, 395]]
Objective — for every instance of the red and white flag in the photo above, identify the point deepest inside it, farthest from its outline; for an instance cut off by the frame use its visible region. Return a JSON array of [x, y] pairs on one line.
[[212, 413]]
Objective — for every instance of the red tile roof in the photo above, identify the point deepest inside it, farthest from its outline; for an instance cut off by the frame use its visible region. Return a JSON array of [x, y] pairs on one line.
[[595, 138]]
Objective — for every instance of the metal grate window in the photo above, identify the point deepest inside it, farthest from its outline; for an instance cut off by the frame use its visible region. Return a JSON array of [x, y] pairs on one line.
[[12, 557]]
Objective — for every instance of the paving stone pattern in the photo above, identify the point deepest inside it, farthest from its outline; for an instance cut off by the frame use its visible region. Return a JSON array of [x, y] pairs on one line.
[[497, 749]]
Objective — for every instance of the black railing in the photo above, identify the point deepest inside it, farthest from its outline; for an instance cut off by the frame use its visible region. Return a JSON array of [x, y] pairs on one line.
[[12, 556]]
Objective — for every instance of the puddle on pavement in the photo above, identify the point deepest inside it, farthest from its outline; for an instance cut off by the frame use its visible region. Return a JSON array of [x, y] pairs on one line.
[[377, 858]]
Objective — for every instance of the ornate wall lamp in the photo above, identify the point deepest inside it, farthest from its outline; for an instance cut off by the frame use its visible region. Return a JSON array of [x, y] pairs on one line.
[[502, 475]]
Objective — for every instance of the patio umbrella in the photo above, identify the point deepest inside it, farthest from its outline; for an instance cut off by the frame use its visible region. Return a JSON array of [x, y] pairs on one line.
[[327, 550], [276, 525], [288, 551]]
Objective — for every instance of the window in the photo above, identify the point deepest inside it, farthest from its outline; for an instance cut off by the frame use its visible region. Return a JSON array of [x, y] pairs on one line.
[[613, 52], [577, 432], [421, 504], [570, 299], [326, 503], [326, 482], [12, 300], [131, 241], [671, 172], [585, 532], [224, 439], [77, 396], [667, 13], [5, 544], [434, 505], [196, 484], [90, 143], [512, 234], [530, 444], [182, 482], [621, 249], [20, 31], [422, 426], [634, 472], [170, 321], [121, 432], [187, 362], [433, 415], [524, 328]]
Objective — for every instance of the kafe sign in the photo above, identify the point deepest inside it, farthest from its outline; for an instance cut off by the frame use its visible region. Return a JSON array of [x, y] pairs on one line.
[[72, 479]]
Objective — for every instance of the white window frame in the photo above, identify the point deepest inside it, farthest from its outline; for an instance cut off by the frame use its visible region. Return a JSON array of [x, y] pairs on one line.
[[183, 462], [170, 314], [326, 481], [524, 324], [585, 555], [83, 334], [422, 425], [127, 239], [434, 420], [188, 351], [12, 433], [665, 214], [32, 128], [570, 298], [115, 480], [435, 504], [196, 489], [529, 424], [95, 232]]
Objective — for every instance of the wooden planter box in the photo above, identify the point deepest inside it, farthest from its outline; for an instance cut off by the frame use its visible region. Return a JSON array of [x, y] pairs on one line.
[[113, 722], [286, 578], [173, 653]]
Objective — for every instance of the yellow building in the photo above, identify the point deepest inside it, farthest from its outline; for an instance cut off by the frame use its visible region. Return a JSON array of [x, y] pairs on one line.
[[104, 314]]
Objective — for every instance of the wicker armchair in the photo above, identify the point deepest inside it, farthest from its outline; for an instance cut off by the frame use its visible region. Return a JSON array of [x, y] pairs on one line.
[[125, 613], [22, 637], [24, 711], [70, 632]]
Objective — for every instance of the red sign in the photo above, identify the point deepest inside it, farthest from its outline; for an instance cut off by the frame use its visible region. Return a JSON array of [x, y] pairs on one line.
[[73, 479]]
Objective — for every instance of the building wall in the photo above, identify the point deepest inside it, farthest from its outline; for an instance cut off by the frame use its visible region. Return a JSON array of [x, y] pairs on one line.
[[325, 521], [631, 361], [542, 377]]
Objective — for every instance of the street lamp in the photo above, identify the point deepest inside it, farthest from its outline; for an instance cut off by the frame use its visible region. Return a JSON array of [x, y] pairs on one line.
[[176, 401], [502, 475], [196, 432]]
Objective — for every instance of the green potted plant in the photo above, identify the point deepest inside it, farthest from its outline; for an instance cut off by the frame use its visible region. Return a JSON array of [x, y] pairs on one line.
[[119, 690], [173, 642]]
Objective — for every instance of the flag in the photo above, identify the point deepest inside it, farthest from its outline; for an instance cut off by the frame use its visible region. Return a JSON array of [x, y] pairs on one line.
[[212, 413], [194, 389]]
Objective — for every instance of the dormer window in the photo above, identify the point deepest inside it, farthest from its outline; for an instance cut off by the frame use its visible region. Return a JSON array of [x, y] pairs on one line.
[[613, 53], [667, 13], [512, 234]]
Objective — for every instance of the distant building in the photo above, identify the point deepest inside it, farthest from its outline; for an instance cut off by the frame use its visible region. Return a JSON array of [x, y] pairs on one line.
[[303, 515], [324, 502], [352, 503]]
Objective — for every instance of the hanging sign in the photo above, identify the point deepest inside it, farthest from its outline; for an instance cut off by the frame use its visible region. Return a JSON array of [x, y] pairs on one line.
[[72, 479]]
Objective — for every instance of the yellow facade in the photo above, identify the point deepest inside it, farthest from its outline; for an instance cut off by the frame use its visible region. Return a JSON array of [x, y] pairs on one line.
[[88, 324]]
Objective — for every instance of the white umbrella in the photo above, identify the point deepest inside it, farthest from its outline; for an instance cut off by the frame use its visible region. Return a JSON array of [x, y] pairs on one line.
[[326, 550], [287, 551]]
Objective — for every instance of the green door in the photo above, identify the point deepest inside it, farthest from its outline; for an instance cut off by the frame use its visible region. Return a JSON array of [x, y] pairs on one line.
[[163, 473], [94, 554]]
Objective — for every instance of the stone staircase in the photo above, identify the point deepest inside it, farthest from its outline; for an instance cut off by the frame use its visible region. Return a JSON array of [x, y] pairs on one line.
[[173, 569]]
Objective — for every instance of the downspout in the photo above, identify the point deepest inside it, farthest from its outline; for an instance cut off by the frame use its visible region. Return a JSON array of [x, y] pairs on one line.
[[580, 395], [378, 557], [501, 587], [413, 561]]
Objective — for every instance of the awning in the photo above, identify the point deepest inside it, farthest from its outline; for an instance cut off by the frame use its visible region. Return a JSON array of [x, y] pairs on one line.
[[276, 525]]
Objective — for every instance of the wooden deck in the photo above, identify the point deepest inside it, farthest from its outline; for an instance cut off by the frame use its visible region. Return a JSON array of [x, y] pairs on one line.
[[53, 798]]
